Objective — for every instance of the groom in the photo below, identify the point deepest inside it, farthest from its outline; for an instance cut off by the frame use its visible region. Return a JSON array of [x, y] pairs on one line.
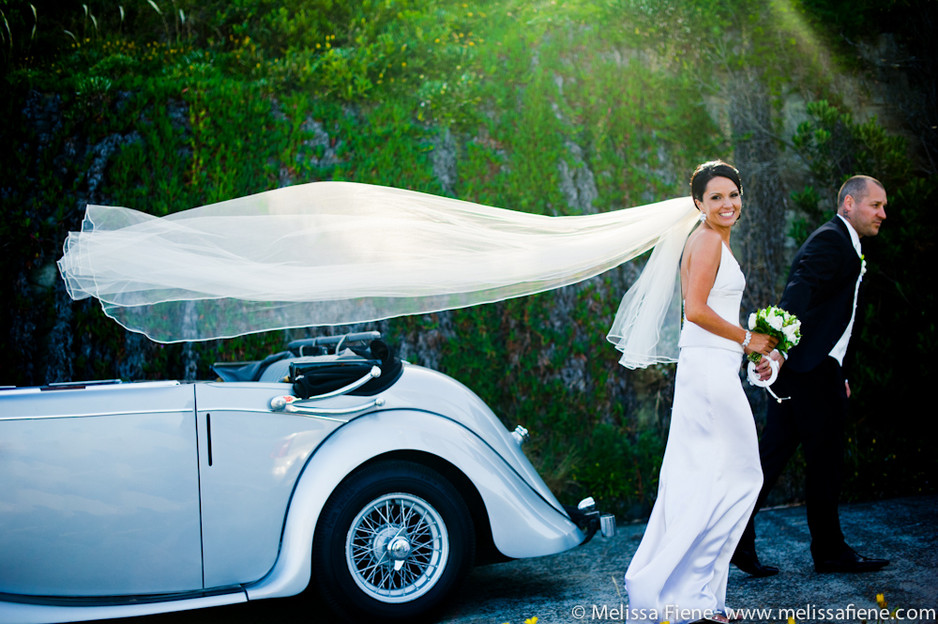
[[821, 291]]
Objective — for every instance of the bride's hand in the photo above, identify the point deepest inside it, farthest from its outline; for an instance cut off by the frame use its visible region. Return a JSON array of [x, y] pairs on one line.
[[761, 344]]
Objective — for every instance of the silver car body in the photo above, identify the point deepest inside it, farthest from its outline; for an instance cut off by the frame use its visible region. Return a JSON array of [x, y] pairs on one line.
[[122, 499]]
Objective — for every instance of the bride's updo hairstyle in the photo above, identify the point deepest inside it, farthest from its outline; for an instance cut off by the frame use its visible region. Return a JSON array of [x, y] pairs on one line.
[[709, 170]]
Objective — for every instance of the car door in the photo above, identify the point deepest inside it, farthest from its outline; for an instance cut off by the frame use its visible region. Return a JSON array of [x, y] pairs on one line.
[[250, 460], [100, 493]]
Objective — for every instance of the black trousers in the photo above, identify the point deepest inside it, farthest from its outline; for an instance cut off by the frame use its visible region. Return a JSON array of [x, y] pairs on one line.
[[813, 417]]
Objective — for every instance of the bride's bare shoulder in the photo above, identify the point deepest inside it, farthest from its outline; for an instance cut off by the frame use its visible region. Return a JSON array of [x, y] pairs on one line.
[[703, 240]]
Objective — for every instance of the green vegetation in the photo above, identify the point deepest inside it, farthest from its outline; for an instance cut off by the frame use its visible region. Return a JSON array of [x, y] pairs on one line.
[[548, 107]]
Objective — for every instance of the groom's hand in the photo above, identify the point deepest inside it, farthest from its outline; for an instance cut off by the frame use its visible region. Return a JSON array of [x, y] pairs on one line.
[[764, 366], [778, 357]]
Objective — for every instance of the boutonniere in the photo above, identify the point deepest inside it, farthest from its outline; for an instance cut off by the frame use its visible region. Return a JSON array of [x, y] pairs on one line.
[[862, 265]]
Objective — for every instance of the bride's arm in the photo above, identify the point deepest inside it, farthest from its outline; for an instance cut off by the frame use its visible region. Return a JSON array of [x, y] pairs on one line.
[[702, 256]]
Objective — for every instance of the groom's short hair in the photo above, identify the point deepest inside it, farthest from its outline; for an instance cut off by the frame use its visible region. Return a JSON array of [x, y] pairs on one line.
[[856, 187]]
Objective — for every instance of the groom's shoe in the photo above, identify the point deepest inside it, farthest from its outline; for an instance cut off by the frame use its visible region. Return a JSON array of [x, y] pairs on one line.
[[849, 561], [748, 562]]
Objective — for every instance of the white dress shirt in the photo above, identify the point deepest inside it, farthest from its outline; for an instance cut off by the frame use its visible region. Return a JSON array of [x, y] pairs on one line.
[[840, 349]]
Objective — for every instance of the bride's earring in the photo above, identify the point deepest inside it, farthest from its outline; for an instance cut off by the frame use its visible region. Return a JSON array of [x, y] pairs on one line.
[[702, 218]]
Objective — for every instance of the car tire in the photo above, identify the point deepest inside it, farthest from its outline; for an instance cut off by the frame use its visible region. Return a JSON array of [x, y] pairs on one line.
[[393, 541]]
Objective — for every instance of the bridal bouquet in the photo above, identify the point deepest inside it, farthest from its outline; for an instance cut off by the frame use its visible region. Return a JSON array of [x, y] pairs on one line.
[[776, 322], [780, 324]]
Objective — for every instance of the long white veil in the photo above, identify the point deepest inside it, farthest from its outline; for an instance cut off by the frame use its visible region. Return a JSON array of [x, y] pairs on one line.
[[330, 253]]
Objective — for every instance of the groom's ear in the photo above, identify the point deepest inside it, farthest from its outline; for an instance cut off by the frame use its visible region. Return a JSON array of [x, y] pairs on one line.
[[847, 205]]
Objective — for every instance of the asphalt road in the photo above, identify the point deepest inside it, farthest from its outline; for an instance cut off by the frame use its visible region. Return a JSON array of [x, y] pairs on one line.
[[585, 584]]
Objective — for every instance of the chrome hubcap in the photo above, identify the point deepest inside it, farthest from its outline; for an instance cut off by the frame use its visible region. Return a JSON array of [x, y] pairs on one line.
[[398, 551]]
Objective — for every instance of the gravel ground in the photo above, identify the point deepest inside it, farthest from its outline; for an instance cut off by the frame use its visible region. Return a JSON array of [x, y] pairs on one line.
[[585, 584]]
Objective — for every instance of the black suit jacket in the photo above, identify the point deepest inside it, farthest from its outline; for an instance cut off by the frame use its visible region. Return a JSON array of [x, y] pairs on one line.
[[820, 292]]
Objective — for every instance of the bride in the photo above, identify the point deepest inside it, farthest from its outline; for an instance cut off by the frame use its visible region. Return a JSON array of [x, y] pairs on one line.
[[710, 475]]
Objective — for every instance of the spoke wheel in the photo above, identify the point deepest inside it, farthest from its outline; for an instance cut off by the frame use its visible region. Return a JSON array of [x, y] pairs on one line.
[[392, 542], [397, 548]]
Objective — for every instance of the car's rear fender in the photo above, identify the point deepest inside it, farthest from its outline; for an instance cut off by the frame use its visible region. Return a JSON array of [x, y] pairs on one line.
[[523, 523]]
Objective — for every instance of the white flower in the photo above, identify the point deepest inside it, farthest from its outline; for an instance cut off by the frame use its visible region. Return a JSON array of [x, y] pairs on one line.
[[774, 320], [752, 321]]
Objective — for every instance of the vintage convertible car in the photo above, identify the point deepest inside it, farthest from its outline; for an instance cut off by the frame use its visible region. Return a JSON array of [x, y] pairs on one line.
[[332, 465]]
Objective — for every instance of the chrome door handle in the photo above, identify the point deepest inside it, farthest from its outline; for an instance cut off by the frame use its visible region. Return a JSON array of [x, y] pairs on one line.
[[293, 405]]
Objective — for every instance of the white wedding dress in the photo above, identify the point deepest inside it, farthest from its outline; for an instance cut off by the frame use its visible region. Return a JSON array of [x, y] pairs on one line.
[[710, 475]]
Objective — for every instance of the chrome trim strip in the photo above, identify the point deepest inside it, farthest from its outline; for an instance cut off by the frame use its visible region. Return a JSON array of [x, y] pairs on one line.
[[93, 414]]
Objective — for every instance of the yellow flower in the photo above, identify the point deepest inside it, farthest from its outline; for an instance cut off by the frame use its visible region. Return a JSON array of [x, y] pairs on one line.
[[791, 620], [881, 601], [531, 620]]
